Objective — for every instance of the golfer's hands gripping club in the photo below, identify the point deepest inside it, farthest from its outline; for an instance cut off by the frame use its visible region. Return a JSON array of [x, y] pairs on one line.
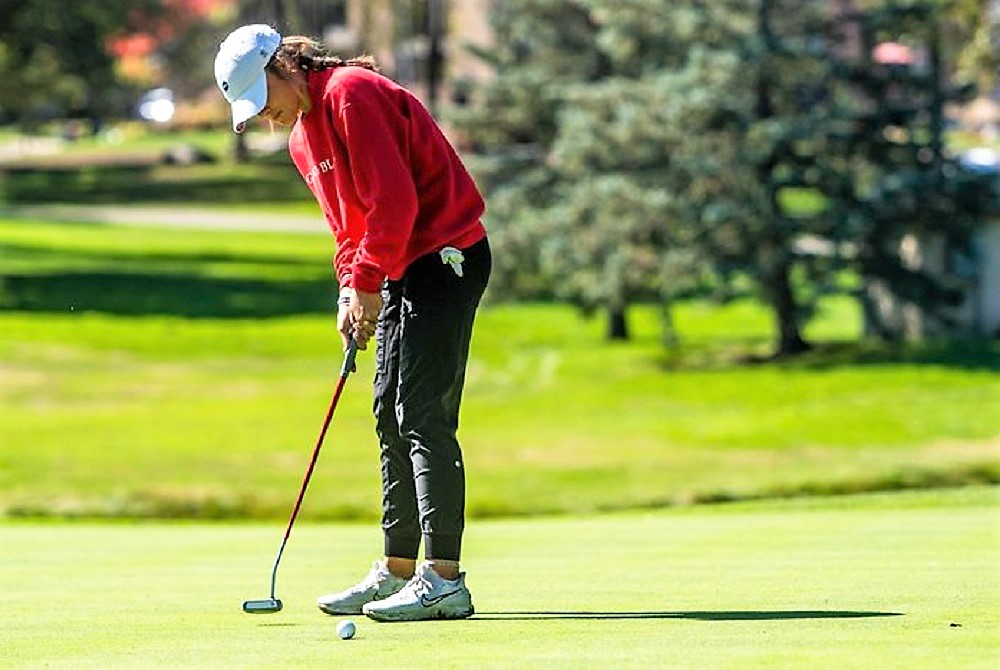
[[357, 316]]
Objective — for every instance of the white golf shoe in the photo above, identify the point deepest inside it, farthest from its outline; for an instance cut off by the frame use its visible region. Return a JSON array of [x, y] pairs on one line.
[[380, 583], [426, 596]]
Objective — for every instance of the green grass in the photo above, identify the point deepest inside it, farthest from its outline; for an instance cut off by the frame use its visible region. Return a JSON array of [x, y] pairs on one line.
[[133, 170], [153, 372], [904, 581], [262, 181], [139, 137], [126, 140]]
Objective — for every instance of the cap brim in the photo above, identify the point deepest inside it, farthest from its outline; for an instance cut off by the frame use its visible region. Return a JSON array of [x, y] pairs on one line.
[[249, 104]]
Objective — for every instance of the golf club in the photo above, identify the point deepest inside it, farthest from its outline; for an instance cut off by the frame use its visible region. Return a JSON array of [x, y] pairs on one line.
[[272, 604]]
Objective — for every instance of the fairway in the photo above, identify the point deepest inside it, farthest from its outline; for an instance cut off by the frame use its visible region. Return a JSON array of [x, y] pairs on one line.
[[151, 373], [887, 580], [156, 372]]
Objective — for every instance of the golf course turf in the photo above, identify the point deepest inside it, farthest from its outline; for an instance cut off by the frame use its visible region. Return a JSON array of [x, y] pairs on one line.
[[903, 580], [150, 374]]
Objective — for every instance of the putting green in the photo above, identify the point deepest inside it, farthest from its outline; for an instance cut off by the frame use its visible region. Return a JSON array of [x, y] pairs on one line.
[[904, 580]]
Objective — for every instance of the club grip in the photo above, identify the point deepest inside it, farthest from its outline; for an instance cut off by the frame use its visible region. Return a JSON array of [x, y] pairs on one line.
[[349, 359]]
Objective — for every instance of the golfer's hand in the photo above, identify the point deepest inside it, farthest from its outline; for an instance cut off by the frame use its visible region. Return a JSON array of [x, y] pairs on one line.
[[364, 311], [344, 326]]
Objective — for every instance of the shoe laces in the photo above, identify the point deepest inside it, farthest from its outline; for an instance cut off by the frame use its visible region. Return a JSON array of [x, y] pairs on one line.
[[375, 577], [420, 584]]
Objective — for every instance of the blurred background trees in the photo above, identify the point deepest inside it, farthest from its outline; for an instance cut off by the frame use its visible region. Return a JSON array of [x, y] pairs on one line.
[[975, 28], [91, 59], [637, 150], [896, 197], [632, 151], [55, 61]]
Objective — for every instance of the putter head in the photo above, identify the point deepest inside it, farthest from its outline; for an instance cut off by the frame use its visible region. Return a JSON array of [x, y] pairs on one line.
[[266, 606]]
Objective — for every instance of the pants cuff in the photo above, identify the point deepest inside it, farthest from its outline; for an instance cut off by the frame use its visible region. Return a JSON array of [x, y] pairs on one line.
[[402, 547], [443, 547]]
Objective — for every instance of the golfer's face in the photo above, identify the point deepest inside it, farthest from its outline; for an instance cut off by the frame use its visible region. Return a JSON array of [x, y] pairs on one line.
[[283, 101]]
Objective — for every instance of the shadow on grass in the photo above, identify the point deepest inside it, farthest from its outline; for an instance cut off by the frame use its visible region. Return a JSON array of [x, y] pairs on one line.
[[271, 181], [738, 615], [970, 354], [178, 294], [35, 257], [193, 283], [962, 353]]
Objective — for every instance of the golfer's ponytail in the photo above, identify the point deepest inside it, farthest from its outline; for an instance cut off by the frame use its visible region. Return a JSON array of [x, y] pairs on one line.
[[303, 53]]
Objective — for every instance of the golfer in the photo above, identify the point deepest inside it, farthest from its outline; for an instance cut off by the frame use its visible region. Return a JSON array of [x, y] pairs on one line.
[[412, 262]]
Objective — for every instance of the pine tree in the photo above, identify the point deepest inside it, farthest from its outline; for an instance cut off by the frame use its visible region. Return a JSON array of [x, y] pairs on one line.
[[621, 232], [894, 191], [638, 149], [511, 122], [660, 135], [746, 109]]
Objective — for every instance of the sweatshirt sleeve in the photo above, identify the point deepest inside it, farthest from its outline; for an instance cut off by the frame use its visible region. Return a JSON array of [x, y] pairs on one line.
[[343, 259], [375, 134]]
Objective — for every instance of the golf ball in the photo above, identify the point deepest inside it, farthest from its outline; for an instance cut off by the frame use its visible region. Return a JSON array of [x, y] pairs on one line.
[[345, 629]]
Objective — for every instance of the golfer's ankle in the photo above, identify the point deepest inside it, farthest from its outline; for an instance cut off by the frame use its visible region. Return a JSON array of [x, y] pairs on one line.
[[445, 569], [401, 567]]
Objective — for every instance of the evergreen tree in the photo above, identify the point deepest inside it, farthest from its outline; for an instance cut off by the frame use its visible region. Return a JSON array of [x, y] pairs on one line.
[[511, 123], [636, 147], [660, 137], [745, 110], [619, 227], [894, 191]]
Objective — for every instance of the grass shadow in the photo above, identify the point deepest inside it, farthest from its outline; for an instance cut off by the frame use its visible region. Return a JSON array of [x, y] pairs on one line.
[[273, 181], [34, 258], [193, 283], [966, 354], [722, 615], [176, 294]]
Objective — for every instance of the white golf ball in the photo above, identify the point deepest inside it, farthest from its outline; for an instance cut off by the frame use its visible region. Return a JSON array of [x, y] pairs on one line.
[[346, 629]]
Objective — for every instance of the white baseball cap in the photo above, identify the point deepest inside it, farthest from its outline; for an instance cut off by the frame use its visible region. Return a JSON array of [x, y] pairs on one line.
[[239, 70]]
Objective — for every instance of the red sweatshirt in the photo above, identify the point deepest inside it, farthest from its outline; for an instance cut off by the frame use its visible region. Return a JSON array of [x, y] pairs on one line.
[[390, 184]]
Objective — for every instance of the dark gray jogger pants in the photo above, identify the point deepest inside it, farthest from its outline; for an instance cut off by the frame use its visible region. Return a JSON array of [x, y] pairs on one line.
[[422, 340]]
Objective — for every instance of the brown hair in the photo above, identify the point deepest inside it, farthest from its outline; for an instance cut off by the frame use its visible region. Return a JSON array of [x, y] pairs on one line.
[[297, 52]]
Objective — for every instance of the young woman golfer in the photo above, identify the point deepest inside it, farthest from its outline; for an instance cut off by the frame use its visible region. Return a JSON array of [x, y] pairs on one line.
[[412, 262]]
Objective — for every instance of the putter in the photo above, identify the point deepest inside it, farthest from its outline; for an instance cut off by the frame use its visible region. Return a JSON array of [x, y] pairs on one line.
[[272, 604]]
